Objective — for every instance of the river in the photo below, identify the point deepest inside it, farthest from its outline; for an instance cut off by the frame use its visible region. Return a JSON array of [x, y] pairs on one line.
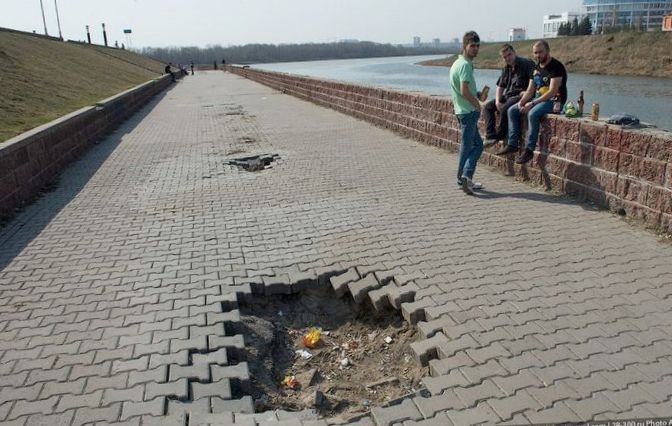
[[650, 99]]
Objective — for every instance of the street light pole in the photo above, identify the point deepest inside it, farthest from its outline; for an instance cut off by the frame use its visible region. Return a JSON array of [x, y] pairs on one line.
[[44, 20], [58, 21]]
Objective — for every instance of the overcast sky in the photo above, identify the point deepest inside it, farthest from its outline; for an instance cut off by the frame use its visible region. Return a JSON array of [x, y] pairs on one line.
[[161, 23]]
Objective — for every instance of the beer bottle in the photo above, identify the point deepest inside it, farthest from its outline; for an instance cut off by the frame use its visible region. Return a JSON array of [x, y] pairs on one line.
[[580, 102]]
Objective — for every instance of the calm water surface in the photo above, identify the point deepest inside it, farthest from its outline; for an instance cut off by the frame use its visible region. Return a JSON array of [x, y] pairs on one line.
[[650, 99]]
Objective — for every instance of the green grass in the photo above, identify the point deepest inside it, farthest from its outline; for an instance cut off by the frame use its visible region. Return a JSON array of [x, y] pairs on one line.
[[43, 79], [628, 53]]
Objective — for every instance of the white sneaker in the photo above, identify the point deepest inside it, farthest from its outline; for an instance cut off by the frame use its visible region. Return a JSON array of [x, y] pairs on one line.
[[466, 185], [475, 186]]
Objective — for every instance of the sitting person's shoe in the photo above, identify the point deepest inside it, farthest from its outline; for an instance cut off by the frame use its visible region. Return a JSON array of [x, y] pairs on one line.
[[466, 185], [507, 150], [525, 157], [490, 142]]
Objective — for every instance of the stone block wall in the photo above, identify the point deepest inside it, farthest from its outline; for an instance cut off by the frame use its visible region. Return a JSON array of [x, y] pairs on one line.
[[33, 160], [627, 171]]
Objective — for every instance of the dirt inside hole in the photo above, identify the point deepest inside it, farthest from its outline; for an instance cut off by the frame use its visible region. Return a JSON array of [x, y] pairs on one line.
[[363, 358]]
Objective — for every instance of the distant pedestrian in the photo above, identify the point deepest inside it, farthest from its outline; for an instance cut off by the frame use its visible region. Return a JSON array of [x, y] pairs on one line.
[[191, 65], [214, 65], [512, 82], [468, 110], [224, 64], [546, 93], [168, 70]]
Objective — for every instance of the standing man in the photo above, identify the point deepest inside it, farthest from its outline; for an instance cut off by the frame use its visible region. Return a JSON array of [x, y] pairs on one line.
[[468, 110], [546, 93], [513, 81]]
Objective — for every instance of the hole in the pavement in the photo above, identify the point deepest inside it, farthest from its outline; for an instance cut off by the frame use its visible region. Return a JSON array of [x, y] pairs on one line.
[[363, 358], [254, 163]]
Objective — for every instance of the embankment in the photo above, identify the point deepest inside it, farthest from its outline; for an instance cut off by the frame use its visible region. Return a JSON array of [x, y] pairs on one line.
[[639, 54], [44, 78], [627, 171]]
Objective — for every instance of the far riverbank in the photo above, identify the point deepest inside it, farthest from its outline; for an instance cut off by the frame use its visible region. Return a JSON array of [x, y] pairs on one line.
[[635, 54]]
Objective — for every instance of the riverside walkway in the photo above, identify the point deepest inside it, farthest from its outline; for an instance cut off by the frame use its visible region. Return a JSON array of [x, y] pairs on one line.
[[116, 287]]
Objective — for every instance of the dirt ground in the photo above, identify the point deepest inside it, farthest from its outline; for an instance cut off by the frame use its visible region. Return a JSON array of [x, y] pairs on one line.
[[363, 358]]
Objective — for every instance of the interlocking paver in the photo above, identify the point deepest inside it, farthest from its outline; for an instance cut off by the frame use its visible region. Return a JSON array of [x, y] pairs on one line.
[[114, 279]]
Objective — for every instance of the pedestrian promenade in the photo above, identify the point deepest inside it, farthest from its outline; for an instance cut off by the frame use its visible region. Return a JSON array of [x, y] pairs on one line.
[[116, 283]]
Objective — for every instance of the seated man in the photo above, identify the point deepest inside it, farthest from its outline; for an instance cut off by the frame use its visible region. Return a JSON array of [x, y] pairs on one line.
[[513, 81], [546, 92]]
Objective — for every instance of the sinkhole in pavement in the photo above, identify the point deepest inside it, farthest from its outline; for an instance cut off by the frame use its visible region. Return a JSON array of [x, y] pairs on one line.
[[254, 163], [363, 358]]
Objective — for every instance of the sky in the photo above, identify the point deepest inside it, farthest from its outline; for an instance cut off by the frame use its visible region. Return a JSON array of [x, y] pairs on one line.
[[162, 23]]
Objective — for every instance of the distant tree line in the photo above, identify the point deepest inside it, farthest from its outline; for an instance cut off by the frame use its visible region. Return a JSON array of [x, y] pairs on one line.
[[260, 53], [576, 28]]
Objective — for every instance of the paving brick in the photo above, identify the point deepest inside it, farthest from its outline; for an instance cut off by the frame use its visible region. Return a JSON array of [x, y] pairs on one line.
[[519, 403], [221, 389], [340, 282], [439, 420], [438, 367], [477, 415], [484, 391], [62, 419], [522, 380], [117, 381], [201, 406], [415, 311], [155, 407], [431, 406], [198, 371], [427, 349], [360, 288], [174, 420], [177, 389], [559, 413], [396, 413], [87, 415], [23, 408], [158, 375], [120, 395], [90, 400], [242, 405]]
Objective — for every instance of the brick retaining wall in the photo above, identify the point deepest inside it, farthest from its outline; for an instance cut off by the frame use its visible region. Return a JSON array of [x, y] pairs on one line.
[[31, 161], [624, 170]]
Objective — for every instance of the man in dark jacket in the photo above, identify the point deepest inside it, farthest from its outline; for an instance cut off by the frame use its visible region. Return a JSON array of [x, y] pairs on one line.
[[511, 84]]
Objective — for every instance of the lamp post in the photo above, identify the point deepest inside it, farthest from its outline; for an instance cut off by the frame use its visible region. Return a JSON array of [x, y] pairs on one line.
[[104, 35], [44, 20], [58, 21]]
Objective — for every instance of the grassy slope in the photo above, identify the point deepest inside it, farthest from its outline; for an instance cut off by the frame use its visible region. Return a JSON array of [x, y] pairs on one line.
[[644, 54], [43, 79]]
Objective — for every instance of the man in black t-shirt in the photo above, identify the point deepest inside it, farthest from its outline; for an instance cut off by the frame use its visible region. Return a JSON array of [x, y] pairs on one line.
[[513, 81], [546, 93]]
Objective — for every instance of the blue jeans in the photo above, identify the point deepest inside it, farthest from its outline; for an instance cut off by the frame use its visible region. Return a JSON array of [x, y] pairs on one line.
[[471, 145], [533, 118]]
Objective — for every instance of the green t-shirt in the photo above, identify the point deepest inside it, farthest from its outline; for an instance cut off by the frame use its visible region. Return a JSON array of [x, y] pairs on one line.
[[462, 70]]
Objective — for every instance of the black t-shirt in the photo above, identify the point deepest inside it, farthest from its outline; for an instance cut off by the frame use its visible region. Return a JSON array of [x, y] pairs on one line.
[[542, 79], [514, 80]]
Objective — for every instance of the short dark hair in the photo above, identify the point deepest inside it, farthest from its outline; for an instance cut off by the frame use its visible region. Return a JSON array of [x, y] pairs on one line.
[[506, 47], [543, 43], [470, 37]]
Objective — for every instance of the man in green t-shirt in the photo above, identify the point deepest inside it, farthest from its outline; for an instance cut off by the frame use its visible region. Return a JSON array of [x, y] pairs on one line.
[[468, 110]]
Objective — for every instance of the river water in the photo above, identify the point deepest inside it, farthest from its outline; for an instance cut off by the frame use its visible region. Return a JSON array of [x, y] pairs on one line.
[[648, 98]]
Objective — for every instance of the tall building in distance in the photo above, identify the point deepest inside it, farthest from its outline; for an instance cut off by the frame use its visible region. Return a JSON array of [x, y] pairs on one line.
[[552, 23], [417, 41], [644, 15], [516, 34]]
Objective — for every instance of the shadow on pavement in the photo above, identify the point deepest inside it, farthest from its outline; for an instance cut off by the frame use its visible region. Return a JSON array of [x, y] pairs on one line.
[[28, 223]]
